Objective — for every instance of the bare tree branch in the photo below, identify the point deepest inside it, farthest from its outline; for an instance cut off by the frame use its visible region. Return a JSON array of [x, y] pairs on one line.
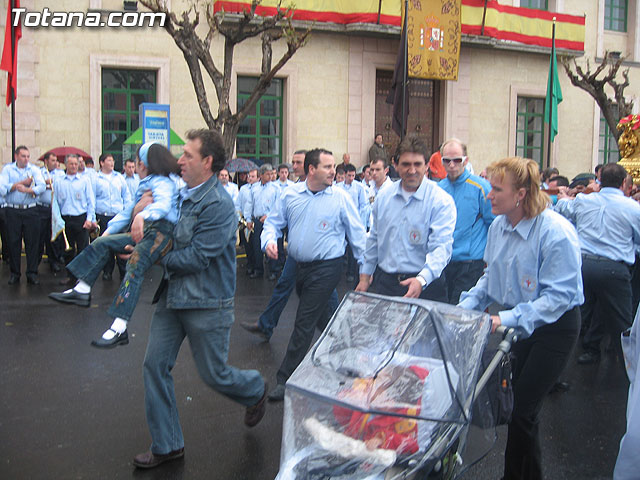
[[612, 109]]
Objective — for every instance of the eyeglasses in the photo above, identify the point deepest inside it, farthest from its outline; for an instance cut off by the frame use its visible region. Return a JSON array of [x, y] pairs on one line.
[[454, 159]]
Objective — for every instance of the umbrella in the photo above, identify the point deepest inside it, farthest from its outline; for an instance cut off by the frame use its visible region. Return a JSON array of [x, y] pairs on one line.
[[62, 152], [240, 165], [136, 138]]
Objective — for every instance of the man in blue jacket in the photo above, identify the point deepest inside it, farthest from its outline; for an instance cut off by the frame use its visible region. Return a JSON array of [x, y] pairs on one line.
[[469, 193], [196, 301]]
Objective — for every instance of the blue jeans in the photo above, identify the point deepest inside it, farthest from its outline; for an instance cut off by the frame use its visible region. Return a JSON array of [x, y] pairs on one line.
[[280, 296], [91, 261], [208, 333]]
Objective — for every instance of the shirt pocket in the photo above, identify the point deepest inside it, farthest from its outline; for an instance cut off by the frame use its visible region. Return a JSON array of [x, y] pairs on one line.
[[416, 234], [323, 225], [527, 281], [184, 229]]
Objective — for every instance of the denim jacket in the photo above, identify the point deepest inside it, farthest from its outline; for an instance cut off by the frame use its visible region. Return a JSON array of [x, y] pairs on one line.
[[202, 265]]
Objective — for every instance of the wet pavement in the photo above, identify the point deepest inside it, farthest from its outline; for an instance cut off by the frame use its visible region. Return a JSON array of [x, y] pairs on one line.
[[70, 411]]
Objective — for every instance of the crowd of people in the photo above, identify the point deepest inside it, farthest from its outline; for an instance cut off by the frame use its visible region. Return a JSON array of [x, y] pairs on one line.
[[547, 251]]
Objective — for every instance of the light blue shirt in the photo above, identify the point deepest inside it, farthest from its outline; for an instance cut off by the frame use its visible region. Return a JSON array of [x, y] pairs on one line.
[[608, 223], [111, 193], [45, 197], [317, 224], [474, 215], [165, 203], [285, 184], [12, 174], [262, 200], [533, 271], [232, 189], [244, 195], [358, 194], [132, 183], [75, 196], [414, 235]]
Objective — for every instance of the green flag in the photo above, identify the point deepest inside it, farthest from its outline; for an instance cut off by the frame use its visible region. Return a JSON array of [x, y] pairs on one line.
[[554, 92]]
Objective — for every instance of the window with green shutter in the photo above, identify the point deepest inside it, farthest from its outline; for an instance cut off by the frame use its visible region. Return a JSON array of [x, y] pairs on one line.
[[530, 129]]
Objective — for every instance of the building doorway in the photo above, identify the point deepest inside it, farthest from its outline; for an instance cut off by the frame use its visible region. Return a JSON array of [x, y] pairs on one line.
[[424, 111]]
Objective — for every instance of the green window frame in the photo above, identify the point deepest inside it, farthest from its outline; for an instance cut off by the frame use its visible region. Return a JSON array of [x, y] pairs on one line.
[[530, 129], [123, 90], [607, 144], [615, 15], [260, 134], [537, 4]]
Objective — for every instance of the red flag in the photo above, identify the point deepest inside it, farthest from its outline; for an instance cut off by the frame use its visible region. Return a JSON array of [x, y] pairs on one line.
[[9, 61]]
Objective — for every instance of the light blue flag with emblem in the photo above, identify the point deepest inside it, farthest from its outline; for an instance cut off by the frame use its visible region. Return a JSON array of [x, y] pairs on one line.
[[57, 223]]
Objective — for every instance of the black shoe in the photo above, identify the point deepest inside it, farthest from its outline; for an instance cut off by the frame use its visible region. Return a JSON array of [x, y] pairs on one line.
[[107, 276], [73, 297], [277, 394], [118, 339], [254, 413], [32, 279], [560, 387], [14, 279], [151, 460], [588, 358], [255, 329], [255, 275]]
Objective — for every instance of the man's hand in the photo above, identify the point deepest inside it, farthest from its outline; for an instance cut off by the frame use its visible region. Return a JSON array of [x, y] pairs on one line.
[[21, 188], [263, 218], [272, 251], [146, 199], [415, 287], [250, 226], [137, 228], [87, 225], [125, 256], [563, 192], [364, 283], [26, 181], [495, 322]]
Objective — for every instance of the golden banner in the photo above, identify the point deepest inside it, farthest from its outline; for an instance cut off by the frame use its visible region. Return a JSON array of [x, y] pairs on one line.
[[433, 37]]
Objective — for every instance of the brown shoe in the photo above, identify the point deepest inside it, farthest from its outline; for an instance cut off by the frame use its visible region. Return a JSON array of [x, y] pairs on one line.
[[150, 460], [255, 412]]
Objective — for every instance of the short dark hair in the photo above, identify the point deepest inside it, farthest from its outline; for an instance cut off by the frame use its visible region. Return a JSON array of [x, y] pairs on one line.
[[413, 144], [349, 168], [129, 160], [300, 152], [312, 157], [103, 157], [47, 155], [560, 180], [598, 167], [340, 169], [283, 165], [547, 172], [88, 161], [612, 175], [377, 135], [20, 147], [160, 160], [365, 167], [212, 145], [377, 159]]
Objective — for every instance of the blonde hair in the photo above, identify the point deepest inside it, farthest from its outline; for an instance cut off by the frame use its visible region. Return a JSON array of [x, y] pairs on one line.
[[525, 174]]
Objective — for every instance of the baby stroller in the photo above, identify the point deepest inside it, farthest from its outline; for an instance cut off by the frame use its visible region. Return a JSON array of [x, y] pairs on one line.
[[388, 392]]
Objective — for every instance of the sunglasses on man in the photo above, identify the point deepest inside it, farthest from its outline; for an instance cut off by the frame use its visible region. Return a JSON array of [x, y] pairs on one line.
[[454, 159]]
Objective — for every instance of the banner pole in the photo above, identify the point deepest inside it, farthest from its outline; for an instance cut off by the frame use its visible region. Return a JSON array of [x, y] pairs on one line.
[[552, 73]]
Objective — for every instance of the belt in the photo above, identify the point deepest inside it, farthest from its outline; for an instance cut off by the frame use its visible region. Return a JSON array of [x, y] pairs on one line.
[[106, 214], [19, 206], [40, 204], [401, 277], [600, 258], [317, 262]]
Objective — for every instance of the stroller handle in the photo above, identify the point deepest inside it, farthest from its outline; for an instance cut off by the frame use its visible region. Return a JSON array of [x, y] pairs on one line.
[[509, 337]]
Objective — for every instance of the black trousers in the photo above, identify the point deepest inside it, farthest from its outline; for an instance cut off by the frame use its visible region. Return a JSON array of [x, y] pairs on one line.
[[103, 220], [315, 281], [53, 249], [3, 234], [607, 302], [258, 265], [248, 249], [539, 361], [77, 236], [461, 277], [352, 264], [23, 224], [635, 285], [389, 284]]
